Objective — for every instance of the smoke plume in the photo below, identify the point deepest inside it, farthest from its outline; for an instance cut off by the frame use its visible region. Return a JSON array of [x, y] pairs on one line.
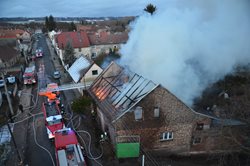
[[188, 45]]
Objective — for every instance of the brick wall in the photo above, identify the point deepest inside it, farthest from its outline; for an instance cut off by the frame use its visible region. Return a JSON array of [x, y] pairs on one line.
[[174, 117]]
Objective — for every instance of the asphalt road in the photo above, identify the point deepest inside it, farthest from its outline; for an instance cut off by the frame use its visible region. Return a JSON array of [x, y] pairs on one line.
[[36, 154]]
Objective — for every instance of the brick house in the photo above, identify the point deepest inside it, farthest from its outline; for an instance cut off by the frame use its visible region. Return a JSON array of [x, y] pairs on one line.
[[129, 105], [78, 40]]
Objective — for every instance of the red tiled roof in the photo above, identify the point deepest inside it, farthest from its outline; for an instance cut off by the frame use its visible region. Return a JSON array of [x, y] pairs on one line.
[[10, 33], [86, 28], [107, 38], [77, 39]]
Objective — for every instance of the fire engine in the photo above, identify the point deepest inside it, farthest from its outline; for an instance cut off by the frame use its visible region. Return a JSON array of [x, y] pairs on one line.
[[53, 118], [53, 93], [68, 150], [29, 76]]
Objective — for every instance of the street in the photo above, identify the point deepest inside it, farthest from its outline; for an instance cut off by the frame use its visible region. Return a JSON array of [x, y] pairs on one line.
[[30, 131], [40, 150]]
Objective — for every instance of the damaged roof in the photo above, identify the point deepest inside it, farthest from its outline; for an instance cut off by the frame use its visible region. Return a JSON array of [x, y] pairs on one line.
[[117, 90], [79, 68]]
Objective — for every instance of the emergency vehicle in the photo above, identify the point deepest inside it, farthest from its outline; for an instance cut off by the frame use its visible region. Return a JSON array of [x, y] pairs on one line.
[[53, 88], [29, 76], [53, 118], [39, 52], [68, 151]]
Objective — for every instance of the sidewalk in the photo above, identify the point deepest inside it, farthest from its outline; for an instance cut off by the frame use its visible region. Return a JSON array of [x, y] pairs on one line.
[[20, 130], [65, 77]]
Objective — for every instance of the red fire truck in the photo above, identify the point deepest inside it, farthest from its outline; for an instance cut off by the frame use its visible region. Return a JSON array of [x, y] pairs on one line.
[[68, 150], [53, 118], [29, 76]]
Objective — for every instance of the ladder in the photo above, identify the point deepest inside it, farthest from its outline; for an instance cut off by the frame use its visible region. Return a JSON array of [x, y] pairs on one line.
[[42, 83], [65, 87]]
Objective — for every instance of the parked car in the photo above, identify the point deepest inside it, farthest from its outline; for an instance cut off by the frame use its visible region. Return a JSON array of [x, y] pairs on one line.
[[56, 75], [1, 82], [39, 52], [11, 79]]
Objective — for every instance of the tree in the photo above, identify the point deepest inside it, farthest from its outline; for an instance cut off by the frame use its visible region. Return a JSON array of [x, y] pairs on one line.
[[72, 26], [50, 23], [69, 57], [46, 22], [81, 105], [150, 9]]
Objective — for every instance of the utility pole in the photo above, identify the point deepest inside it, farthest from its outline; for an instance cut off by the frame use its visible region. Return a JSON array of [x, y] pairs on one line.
[[12, 137], [7, 94]]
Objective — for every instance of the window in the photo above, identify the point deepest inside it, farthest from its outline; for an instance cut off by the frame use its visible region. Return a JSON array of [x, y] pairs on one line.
[[199, 126], [167, 136], [156, 112], [93, 55], [138, 113], [196, 140], [94, 72]]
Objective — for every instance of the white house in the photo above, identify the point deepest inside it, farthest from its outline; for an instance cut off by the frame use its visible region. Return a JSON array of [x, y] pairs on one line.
[[85, 71]]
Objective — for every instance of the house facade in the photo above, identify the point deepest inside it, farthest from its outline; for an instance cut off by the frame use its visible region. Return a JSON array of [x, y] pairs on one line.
[[9, 47], [52, 36], [84, 71], [78, 40], [91, 74], [104, 42], [130, 106]]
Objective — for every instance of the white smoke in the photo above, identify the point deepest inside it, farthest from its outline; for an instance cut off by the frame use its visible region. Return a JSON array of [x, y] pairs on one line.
[[188, 45]]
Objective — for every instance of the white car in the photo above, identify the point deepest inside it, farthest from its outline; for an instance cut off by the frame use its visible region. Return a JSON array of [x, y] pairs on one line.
[[11, 79], [56, 75], [1, 83]]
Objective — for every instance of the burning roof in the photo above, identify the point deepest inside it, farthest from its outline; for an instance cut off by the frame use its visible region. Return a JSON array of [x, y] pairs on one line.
[[117, 90]]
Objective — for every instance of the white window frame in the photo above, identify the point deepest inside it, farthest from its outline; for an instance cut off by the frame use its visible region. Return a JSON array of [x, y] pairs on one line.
[[156, 112], [166, 136], [138, 113]]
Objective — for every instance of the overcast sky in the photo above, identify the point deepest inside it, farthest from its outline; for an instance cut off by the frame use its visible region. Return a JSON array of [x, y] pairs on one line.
[[71, 8]]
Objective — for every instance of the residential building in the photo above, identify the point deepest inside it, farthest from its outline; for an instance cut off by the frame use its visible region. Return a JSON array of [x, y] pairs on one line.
[[104, 42], [25, 37], [85, 71], [9, 46], [52, 36], [131, 108], [9, 52], [78, 40], [10, 33], [24, 43]]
